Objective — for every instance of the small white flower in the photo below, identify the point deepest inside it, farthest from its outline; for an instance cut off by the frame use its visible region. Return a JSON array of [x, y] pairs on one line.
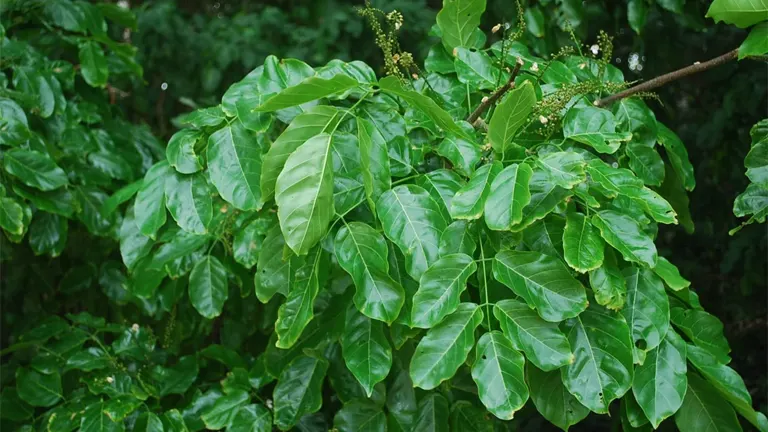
[[520, 61], [110, 380], [135, 328], [485, 99], [535, 67], [595, 49], [496, 28], [415, 76], [398, 25], [696, 62], [543, 120], [269, 403], [582, 66]]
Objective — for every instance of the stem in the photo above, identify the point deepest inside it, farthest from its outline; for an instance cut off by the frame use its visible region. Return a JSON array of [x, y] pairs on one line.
[[666, 78], [496, 95]]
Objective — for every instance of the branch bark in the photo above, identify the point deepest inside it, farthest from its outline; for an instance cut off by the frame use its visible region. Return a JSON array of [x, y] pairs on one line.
[[666, 78], [496, 95]]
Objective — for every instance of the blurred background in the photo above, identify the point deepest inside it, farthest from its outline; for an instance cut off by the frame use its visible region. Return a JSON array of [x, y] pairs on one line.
[[192, 50]]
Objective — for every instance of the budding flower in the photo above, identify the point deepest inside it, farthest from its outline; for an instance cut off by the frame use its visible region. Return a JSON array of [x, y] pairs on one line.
[[698, 62], [543, 120], [110, 380], [582, 66], [485, 99], [595, 49], [535, 67], [520, 61], [396, 57], [415, 76], [135, 328], [496, 28]]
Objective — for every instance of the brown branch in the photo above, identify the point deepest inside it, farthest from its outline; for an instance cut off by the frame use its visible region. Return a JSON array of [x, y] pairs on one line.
[[666, 78], [487, 102]]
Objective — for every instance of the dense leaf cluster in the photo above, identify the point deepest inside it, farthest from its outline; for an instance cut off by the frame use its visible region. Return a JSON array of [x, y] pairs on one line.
[[325, 223]]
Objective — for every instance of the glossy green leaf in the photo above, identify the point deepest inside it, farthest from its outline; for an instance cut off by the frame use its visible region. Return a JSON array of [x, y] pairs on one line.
[[545, 197], [374, 161], [457, 20], [646, 163], [546, 236], [543, 282], [93, 64], [181, 153], [466, 417], [205, 117], [623, 233], [594, 127], [234, 164], [564, 169], [704, 409], [469, 201], [633, 115], [366, 350], [509, 116], [704, 329], [248, 242], [310, 89], [280, 74], [637, 13], [646, 310], [445, 347], [442, 185], [304, 194], [298, 390], [753, 201], [678, 156], [660, 382], [432, 414], [47, 234], [89, 360], [251, 418], [37, 389], [602, 345], [96, 419], [499, 373], [756, 163], [458, 237], [504, 205], [240, 99], [608, 283], [728, 383], [756, 43], [34, 169], [476, 69], [149, 207], [208, 287], [188, 198], [552, 399], [360, 415], [223, 412], [582, 244], [413, 221], [273, 271], [298, 309], [362, 252], [542, 342], [440, 289], [670, 274], [741, 13], [463, 154], [424, 104], [11, 216]]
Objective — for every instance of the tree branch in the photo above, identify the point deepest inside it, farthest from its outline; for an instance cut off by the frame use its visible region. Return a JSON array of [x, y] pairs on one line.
[[496, 95], [666, 78]]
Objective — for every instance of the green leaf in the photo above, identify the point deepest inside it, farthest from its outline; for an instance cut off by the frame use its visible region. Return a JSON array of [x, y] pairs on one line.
[[34, 169], [756, 43], [248, 242], [469, 201], [299, 390], [362, 252], [557, 73], [424, 104], [251, 418], [466, 417], [66, 15], [175, 379], [432, 413], [39, 96], [14, 408], [602, 344], [304, 194], [458, 238], [634, 116], [624, 234], [240, 99], [546, 236], [89, 360], [542, 342], [37, 389], [582, 245], [205, 117], [509, 116], [594, 127], [181, 153], [445, 347], [534, 20], [413, 221], [728, 383], [464, 155], [149, 207], [660, 382], [366, 350], [457, 20], [440, 289], [95, 418], [297, 311], [553, 400], [646, 163], [608, 283], [93, 64], [704, 409], [637, 12], [756, 163], [223, 412], [122, 195], [273, 272], [498, 371], [234, 164], [360, 415], [374, 161], [704, 329], [614, 181], [741, 13], [671, 275], [174, 422], [208, 287], [476, 69], [11, 216], [279, 75], [439, 61], [543, 282], [442, 185], [545, 197], [646, 310], [678, 156], [753, 201], [310, 89], [504, 205], [188, 198]]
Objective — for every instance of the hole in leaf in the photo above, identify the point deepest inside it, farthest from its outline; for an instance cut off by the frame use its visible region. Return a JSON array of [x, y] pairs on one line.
[[375, 88], [473, 50], [641, 344], [484, 357]]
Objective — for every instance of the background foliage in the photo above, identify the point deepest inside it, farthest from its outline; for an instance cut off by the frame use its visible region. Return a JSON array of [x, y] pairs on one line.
[[211, 45]]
